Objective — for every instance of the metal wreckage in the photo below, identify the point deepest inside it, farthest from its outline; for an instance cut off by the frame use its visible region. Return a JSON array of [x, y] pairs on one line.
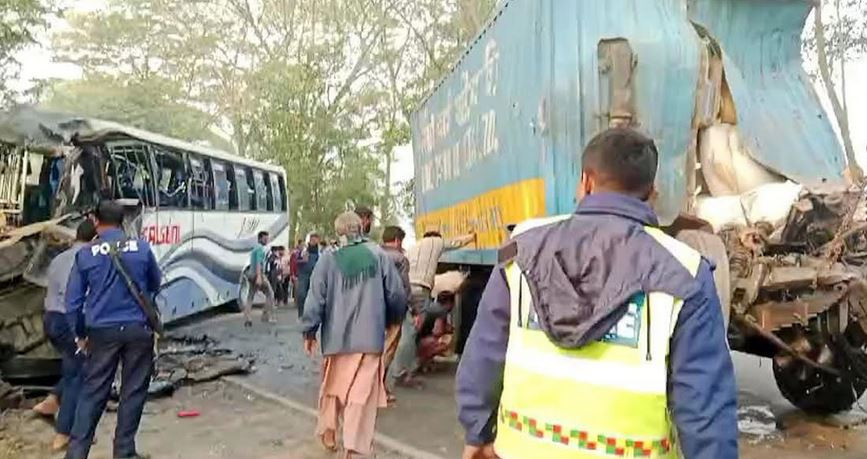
[[751, 172], [799, 296], [791, 259], [54, 169]]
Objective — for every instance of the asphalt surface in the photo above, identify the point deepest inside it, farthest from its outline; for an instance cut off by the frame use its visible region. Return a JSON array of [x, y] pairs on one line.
[[231, 423], [427, 419]]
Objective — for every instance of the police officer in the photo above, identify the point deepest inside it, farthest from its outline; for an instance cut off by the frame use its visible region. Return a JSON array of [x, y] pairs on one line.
[[112, 329], [600, 335]]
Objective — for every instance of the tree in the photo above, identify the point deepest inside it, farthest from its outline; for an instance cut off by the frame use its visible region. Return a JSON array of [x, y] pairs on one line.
[[324, 88], [328, 172], [20, 21], [424, 38], [835, 44], [153, 104], [189, 49], [406, 197]]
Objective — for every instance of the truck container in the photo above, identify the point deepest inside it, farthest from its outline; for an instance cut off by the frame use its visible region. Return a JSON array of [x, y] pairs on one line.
[[743, 142]]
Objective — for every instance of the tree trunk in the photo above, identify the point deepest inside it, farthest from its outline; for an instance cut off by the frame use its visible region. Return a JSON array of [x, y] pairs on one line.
[[855, 173], [842, 58], [239, 136], [385, 207]]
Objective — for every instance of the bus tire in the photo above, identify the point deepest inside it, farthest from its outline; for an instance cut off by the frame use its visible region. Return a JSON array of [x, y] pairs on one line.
[[236, 304]]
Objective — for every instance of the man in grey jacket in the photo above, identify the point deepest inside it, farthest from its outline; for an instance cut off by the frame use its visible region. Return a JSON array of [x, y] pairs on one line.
[[392, 244], [353, 293]]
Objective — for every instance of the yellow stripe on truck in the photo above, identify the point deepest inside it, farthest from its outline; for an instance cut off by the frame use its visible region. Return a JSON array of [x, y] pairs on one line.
[[488, 214]]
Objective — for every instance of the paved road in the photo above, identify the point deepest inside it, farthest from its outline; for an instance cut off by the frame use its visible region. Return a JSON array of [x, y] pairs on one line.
[[427, 419], [233, 423]]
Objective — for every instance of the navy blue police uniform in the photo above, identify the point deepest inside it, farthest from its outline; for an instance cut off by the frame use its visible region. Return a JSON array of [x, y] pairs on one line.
[[117, 332]]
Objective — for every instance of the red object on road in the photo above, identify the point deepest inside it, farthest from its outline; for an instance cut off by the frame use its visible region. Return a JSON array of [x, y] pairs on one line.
[[188, 414]]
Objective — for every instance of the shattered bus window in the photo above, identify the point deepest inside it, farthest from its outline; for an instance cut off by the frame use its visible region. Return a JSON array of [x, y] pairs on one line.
[[261, 191], [232, 179], [12, 161], [221, 185], [201, 192], [280, 195], [243, 180], [130, 171], [171, 179]]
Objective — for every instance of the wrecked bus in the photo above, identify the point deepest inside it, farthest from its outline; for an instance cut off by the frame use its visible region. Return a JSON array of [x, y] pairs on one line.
[[751, 172], [199, 208]]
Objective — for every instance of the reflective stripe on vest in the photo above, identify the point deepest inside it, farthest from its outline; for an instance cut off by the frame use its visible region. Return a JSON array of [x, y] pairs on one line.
[[607, 399]]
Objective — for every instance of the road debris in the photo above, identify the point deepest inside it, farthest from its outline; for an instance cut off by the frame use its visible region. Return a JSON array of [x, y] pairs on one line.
[[757, 422], [10, 396], [191, 359]]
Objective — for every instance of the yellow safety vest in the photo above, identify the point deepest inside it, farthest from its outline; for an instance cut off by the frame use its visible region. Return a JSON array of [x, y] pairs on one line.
[[606, 399]]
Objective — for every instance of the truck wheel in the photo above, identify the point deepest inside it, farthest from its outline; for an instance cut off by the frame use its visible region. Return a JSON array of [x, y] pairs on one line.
[[815, 391], [712, 247]]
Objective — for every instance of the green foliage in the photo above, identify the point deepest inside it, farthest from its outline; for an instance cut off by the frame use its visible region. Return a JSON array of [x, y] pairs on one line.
[[153, 104], [325, 88], [406, 197], [327, 171], [19, 21]]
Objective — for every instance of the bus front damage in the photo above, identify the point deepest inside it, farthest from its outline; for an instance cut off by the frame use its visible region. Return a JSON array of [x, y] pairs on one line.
[[49, 182]]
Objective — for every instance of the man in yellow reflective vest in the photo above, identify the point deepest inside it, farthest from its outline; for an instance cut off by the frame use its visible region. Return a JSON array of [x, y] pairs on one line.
[[599, 335]]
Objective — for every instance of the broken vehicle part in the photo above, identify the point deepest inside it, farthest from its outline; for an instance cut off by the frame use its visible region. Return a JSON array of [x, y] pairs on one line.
[[802, 303]]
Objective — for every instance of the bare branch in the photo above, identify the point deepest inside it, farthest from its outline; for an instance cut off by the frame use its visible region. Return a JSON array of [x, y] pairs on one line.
[[855, 172]]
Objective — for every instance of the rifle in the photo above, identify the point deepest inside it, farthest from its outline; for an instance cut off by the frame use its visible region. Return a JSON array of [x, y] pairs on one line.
[[150, 310]]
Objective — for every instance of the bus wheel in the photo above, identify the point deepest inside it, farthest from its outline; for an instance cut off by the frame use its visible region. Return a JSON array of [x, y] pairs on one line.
[[243, 287]]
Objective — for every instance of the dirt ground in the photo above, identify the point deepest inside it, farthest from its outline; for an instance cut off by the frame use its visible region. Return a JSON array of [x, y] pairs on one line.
[[232, 424], [282, 368], [804, 437]]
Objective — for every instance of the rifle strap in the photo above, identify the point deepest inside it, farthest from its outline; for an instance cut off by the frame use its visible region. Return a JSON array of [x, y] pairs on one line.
[[148, 310]]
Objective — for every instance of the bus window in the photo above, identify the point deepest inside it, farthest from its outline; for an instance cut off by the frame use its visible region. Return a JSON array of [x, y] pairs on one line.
[[261, 191], [282, 193], [245, 191], [277, 196], [130, 172], [269, 190], [221, 185], [231, 178], [201, 189], [171, 178]]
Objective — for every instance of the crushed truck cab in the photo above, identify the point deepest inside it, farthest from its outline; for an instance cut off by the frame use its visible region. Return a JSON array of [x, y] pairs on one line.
[[751, 172]]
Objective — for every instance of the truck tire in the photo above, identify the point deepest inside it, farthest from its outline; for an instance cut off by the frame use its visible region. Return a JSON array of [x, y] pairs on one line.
[[712, 247], [815, 391]]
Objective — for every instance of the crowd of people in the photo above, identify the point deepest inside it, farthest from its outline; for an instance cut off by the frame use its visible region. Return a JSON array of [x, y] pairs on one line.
[[562, 340], [95, 319], [563, 328], [371, 306]]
